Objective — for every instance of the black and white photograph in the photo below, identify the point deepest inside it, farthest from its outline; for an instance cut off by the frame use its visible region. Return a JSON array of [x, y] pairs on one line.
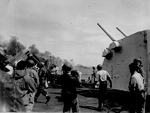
[[75, 56]]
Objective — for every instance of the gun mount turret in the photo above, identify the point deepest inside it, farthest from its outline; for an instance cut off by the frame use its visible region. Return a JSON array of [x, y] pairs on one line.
[[134, 46], [117, 63]]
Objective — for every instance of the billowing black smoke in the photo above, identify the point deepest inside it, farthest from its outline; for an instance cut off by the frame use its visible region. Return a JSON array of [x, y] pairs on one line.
[[14, 46]]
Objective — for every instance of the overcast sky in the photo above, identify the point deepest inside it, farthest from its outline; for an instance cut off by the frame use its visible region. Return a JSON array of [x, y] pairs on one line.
[[68, 28]]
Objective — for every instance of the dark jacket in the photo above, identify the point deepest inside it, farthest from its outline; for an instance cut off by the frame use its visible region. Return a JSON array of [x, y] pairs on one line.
[[69, 84]]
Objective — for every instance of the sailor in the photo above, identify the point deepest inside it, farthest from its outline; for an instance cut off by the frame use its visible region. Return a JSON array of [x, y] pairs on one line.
[[27, 82], [69, 92], [42, 87], [53, 72], [137, 88], [93, 77], [102, 77]]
